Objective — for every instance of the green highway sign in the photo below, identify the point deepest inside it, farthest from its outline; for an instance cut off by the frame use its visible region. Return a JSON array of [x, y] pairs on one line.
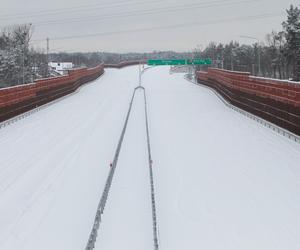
[[206, 61], [180, 62]]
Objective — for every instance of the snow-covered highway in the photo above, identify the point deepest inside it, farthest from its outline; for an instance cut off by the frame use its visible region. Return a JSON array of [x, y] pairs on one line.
[[222, 180], [127, 221], [54, 165]]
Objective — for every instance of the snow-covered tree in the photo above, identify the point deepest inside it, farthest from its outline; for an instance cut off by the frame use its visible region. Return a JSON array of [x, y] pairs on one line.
[[292, 34], [15, 64], [277, 52]]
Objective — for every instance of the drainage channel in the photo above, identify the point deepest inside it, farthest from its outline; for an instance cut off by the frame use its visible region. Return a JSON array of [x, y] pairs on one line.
[[100, 209]]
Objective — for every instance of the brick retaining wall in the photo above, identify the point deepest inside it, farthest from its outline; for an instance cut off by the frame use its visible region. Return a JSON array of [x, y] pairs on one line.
[[273, 100], [22, 98]]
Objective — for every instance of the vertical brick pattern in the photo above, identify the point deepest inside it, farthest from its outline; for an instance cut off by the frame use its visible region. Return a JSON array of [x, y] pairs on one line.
[[19, 99], [273, 100]]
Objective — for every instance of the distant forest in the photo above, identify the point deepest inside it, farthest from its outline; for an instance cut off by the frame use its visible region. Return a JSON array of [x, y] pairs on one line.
[[91, 59], [278, 56]]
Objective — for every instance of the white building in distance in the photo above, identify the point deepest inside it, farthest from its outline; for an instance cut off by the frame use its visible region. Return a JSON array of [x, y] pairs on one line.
[[61, 67]]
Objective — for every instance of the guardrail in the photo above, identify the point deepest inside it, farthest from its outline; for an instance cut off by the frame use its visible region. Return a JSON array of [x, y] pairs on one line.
[[36, 109], [258, 119], [275, 101], [20, 99], [93, 235], [150, 161], [101, 206]]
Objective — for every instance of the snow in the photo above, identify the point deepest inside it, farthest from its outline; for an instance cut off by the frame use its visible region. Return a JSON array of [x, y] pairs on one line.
[[54, 164], [127, 218], [270, 80], [222, 181]]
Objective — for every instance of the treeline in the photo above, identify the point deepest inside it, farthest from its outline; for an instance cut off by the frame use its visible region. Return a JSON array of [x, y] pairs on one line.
[[19, 63], [94, 58], [277, 57]]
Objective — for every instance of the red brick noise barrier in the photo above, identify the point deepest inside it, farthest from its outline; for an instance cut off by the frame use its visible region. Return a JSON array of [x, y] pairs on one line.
[[124, 64], [19, 99], [276, 101]]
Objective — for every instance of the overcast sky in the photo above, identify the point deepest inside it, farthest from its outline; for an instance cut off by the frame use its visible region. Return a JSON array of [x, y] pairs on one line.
[[143, 25]]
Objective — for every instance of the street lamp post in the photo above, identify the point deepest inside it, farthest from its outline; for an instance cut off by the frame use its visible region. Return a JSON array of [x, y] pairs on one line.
[[259, 52], [140, 74]]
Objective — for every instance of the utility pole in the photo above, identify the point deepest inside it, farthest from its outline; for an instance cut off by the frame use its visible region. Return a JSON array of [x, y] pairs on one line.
[[47, 56]]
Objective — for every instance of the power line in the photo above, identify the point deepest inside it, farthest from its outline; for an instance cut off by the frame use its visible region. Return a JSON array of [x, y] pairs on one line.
[[71, 9], [81, 8], [101, 6], [145, 12], [245, 18]]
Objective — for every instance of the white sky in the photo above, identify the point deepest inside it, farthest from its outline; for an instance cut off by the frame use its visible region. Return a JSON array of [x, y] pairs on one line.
[[168, 25]]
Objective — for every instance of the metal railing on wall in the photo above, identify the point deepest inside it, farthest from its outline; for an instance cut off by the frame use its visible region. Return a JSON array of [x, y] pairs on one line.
[[261, 121]]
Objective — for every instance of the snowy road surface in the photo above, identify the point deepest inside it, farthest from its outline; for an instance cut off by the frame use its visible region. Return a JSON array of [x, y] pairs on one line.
[[222, 180], [127, 218], [54, 164]]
